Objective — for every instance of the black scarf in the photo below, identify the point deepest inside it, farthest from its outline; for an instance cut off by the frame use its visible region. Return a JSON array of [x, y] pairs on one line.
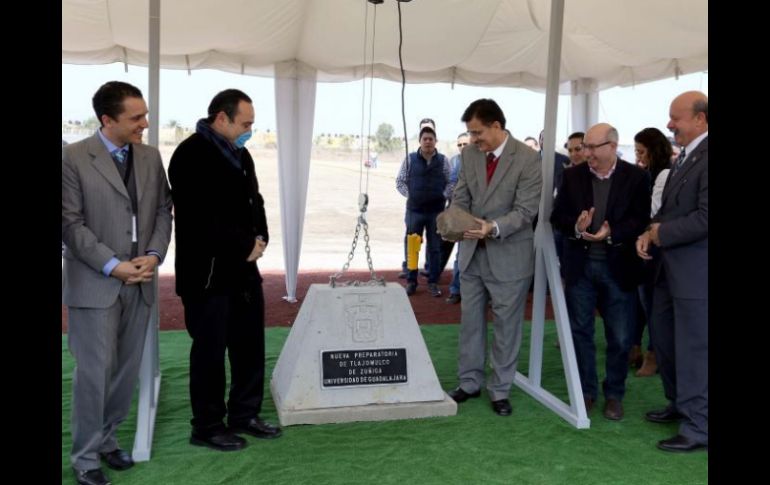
[[230, 151]]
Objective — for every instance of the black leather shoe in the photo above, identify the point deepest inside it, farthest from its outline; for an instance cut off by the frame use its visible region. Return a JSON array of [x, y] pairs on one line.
[[91, 477], [502, 407], [411, 287], [681, 444], [258, 428], [403, 274], [461, 396], [118, 459], [222, 441], [668, 415], [453, 298]]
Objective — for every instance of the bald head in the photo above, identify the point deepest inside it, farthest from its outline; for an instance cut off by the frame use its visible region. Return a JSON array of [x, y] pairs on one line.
[[600, 147], [688, 116], [602, 130]]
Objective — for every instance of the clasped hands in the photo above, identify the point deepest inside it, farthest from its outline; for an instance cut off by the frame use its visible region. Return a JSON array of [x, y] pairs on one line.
[[138, 270], [584, 222]]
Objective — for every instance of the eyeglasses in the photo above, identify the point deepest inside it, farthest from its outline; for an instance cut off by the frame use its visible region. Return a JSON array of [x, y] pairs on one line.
[[594, 147], [577, 148], [460, 145]]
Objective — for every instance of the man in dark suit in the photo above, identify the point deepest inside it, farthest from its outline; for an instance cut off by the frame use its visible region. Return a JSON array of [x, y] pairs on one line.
[[499, 183], [680, 299], [221, 231], [603, 205], [116, 226]]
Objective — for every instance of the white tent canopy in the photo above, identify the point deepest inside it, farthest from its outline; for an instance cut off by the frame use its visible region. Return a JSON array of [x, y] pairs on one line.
[[479, 42]]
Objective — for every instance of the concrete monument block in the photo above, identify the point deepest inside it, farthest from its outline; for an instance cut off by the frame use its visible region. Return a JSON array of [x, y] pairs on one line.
[[356, 354]]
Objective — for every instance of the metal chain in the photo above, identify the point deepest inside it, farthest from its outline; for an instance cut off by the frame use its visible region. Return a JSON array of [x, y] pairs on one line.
[[373, 279], [366, 248], [363, 198]]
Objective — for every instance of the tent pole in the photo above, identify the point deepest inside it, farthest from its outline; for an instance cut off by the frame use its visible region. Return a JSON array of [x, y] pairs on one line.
[[149, 370], [546, 264]]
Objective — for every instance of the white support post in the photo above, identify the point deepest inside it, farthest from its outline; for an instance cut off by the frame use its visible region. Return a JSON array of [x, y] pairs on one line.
[[546, 263], [149, 388], [295, 87], [149, 370], [584, 103]]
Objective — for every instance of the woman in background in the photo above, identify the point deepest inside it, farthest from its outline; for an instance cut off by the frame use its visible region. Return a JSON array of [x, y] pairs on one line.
[[653, 153]]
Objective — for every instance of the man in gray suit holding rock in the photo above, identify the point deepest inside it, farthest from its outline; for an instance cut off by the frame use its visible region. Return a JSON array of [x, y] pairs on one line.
[[499, 184], [680, 320], [116, 225]]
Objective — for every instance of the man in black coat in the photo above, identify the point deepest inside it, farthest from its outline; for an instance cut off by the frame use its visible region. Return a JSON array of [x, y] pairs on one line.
[[602, 207], [221, 230]]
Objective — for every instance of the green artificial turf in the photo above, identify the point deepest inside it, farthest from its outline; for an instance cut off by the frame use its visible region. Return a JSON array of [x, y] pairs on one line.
[[533, 446]]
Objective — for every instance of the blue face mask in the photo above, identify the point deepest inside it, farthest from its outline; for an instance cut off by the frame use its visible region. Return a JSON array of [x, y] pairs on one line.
[[240, 142]]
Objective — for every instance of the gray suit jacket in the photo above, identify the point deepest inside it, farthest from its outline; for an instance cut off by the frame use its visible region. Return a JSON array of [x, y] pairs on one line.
[[512, 199], [96, 219], [684, 226]]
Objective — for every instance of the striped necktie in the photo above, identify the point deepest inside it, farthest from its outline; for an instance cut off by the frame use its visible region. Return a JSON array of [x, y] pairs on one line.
[[679, 161], [119, 155]]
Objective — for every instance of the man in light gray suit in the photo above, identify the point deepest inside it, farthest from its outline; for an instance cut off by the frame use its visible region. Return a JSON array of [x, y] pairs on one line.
[[116, 225], [680, 322], [499, 183]]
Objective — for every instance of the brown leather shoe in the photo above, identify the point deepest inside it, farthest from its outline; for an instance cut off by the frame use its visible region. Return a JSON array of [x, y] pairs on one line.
[[649, 366], [589, 403], [613, 409], [635, 357]]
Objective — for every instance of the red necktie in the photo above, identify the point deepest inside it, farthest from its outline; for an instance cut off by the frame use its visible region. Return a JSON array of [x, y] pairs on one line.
[[491, 166]]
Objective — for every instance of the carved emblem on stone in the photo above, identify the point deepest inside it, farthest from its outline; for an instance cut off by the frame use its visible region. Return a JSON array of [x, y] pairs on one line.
[[363, 313]]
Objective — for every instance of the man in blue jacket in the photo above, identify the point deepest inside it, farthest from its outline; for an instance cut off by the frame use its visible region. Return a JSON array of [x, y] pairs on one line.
[[424, 180]]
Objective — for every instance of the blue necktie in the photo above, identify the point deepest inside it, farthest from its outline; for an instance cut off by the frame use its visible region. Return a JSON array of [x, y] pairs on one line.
[[119, 155]]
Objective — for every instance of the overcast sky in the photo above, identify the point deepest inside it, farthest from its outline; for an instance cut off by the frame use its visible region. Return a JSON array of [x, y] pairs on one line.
[[184, 98]]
